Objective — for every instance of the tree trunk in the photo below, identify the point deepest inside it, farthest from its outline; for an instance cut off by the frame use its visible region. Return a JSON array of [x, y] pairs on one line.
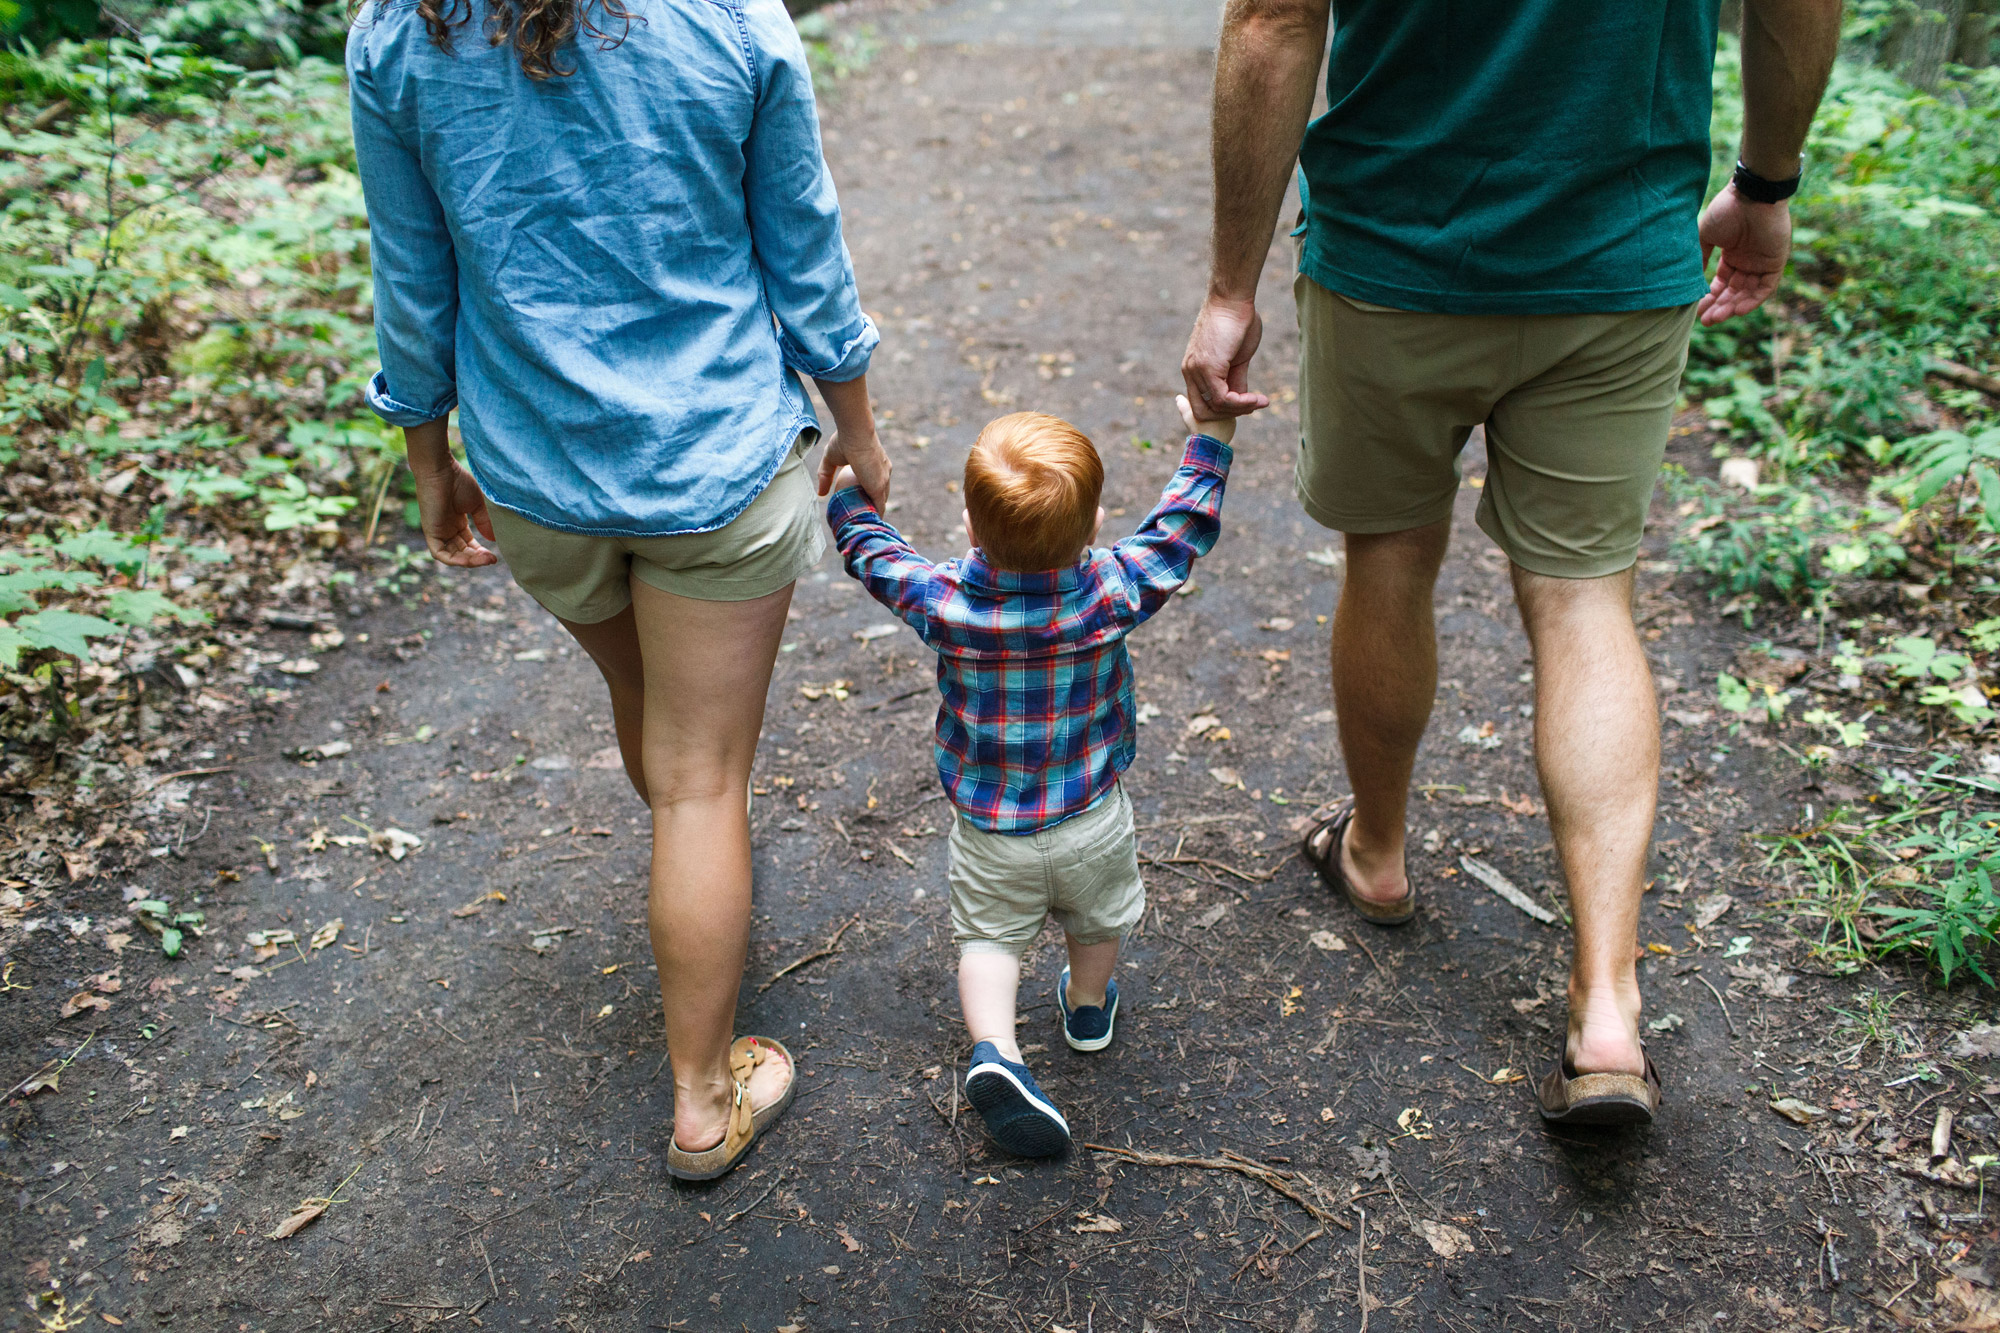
[[1926, 35], [1975, 33]]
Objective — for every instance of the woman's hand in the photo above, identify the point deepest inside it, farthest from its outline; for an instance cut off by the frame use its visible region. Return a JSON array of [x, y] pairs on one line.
[[449, 501], [854, 443]]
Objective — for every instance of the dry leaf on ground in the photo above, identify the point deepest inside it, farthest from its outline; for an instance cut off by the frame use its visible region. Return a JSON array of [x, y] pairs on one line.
[[1446, 1241], [305, 1216], [1100, 1223]]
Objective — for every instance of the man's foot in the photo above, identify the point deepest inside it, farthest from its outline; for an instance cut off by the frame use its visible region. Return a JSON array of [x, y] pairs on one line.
[[1088, 1027], [1604, 1037], [1381, 894], [1018, 1114], [700, 1125]]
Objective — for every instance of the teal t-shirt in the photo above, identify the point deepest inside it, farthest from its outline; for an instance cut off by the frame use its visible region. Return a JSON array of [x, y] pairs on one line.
[[1511, 156]]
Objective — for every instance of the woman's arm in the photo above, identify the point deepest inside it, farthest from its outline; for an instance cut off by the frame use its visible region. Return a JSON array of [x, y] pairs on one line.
[[855, 443], [448, 498], [416, 269]]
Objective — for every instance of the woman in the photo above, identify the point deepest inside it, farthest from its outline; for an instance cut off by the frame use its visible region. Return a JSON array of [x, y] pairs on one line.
[[608, 237]]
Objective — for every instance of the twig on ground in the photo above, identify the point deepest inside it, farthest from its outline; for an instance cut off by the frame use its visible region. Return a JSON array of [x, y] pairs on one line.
[[1223, 866], [743, 1212], [1718, 999], [1242, 1166], [1361, 1268], [1963, 375], [1507, 889], [831, 947]]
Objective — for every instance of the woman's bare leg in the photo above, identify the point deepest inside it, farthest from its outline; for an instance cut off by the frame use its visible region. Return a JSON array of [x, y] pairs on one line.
[[706, 667], [614, 645]]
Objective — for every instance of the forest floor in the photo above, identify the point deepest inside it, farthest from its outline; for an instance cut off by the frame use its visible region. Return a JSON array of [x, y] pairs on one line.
[[470, 1067]]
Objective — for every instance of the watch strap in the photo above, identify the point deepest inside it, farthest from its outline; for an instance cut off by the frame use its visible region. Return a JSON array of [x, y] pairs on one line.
[[1763, 190]]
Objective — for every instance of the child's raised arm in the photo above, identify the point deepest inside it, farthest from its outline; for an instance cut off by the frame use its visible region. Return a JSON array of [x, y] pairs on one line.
[[875, 553], [1183, 526]]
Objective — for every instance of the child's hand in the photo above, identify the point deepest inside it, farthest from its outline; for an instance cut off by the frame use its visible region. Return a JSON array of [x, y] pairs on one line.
[[842, 479], [1222, 428]]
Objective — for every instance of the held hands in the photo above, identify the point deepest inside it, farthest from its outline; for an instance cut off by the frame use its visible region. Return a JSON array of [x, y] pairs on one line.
[[866, 464], [449, 502], [1216, 428], [1217, 363], [1755, 240]]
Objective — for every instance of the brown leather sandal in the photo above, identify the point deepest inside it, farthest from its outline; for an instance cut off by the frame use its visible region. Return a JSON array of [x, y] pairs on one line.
[[1321, 849], [746, 1123], [1566, 1097]]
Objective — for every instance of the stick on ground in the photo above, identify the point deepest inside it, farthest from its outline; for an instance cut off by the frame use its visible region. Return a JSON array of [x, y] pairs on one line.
[[1242, 1166], [831, 947]]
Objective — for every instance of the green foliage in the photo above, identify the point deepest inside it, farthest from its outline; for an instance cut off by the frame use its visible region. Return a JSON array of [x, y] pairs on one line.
[[1784, 542], [1914, 873], [1940, 459]]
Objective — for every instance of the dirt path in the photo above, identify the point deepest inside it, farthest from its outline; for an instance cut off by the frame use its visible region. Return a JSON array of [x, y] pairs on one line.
[[478, 1082]]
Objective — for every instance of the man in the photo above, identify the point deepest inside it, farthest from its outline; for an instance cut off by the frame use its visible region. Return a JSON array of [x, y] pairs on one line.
[[1499, 229]]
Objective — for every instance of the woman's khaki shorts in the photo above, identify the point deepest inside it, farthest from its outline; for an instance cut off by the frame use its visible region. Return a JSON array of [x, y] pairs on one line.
[[1576, 409], [1084, 872], [584, 579]]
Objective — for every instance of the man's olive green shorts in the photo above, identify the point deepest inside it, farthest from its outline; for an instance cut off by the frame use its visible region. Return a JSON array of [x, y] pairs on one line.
[[584, 579], [1576, 409], [1084, 872]]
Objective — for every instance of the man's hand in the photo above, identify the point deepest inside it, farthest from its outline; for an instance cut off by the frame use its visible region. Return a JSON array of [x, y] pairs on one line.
[[449, 502], [1755, 240], [1217, 364], [1216, 428]]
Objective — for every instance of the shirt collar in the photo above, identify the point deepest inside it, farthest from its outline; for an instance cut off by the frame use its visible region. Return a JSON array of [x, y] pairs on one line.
[[975, 570]]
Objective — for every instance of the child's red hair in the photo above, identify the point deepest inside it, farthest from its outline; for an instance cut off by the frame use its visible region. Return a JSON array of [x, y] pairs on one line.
[[1032, 483]]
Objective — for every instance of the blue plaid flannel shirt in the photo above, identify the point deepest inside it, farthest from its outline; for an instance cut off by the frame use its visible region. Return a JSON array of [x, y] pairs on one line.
[[1037, 718]]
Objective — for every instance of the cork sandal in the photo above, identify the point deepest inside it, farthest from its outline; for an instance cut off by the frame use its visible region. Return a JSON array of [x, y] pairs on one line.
[[746, 1123], [1321, 849], [1566, 1097]]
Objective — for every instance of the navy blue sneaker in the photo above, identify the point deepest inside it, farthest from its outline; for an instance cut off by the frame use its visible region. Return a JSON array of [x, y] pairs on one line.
[[1088, 1027], [1019, 1116]]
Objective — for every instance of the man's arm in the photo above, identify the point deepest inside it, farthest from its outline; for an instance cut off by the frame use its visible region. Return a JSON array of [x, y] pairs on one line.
[[1266, 65], [1788, 51]]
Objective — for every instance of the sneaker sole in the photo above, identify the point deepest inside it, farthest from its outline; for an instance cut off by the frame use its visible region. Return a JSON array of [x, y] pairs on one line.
[[1016, 1119]]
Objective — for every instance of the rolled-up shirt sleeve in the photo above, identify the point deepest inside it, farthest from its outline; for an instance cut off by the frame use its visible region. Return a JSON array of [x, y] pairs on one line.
[[416, 270], [795, 214]]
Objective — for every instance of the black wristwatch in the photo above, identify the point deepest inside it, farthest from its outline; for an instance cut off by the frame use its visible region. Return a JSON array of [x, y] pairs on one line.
[[1762, 190]]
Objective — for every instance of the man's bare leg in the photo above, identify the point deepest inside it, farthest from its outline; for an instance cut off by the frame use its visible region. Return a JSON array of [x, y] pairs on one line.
[[1597, 746], [1384, 679]]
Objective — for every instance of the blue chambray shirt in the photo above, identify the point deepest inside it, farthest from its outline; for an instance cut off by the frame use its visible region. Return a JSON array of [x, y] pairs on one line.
[[617, 277]]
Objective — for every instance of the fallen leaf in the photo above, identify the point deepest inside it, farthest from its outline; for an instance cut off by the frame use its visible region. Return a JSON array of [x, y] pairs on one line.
[[1098, 1224], [1523, 804], [1412, 1123], [1484, 736], [1798, 1112], [1979, 1310], [42, 1082], [1226, 777], [264, 939], [327, 933], [177, 1133], [1328, 941], [1446, 1241], [1146, 713], [299, 666], [1981, 1041], [1201, 724], [395, 843], [1325, 1114], [1327, 557], [552, 763], [1707, 911], [81, 1001], [307, 1214], [1666, 1023], [1212, 915], [1277, 624], [1290, 1004], [79, 865], [477, 905], [847, 1238]]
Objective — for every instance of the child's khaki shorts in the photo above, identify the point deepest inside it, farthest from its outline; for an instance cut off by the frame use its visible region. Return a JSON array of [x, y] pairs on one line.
[[1576, 409], [1084, 872], [584, 579]]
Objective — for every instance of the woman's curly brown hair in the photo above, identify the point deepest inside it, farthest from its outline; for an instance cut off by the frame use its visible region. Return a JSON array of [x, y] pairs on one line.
[[537, 29]]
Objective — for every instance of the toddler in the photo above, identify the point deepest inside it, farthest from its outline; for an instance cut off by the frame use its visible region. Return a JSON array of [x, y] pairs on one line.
[[1036, 724]]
